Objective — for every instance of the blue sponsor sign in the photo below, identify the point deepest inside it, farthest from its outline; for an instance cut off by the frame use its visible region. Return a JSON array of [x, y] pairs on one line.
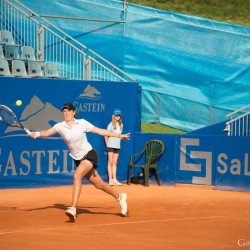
[[45, 161], [194, 159], [221, 161], [233, 163]]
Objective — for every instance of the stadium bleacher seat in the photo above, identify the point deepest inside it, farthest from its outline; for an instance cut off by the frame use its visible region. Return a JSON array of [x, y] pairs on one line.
[[19, 69], [4, 68], [28, 53], [12, 52], [6, 37], [9, 47], [35, 69], [51, 71]]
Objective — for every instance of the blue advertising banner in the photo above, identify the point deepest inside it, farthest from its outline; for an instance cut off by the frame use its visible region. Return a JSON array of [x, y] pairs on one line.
[[194, 159], [221, 161], [45, 161], [232, 166]]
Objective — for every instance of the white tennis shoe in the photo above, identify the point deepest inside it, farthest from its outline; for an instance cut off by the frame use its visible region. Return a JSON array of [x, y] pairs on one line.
[[71, 213], [116, 183], [122, 201]]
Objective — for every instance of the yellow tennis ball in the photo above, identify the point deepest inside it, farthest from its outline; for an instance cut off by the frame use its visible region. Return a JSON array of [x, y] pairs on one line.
[[19, 102]]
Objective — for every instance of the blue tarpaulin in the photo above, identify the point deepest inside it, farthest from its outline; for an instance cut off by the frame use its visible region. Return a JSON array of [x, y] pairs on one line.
[[193, 71]]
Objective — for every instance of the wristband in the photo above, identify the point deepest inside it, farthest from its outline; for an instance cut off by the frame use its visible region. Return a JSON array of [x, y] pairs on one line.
[[37, 134]]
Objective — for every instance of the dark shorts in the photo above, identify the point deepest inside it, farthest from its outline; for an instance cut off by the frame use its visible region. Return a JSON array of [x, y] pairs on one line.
[[91, 156], [114, 150]]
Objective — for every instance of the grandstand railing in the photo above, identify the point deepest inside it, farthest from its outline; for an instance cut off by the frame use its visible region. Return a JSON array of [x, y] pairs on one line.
[[238, 125], [51, 44]]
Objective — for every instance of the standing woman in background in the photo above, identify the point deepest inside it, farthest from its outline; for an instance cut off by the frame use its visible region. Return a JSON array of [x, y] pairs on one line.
[[113, 145]]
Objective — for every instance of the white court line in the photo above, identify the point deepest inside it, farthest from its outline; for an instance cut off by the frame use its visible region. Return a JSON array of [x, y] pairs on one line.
[[152, 221], [129, 222], [24, 231], [233, 218]]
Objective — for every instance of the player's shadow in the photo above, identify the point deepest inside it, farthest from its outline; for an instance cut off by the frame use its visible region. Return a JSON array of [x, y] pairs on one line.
[[80, 210]]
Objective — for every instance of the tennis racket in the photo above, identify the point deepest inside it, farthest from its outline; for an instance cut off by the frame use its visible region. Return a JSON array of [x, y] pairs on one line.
[[8, 117]]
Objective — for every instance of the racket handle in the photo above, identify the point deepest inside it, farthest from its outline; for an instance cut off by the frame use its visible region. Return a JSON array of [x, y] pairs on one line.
[[27, 131]]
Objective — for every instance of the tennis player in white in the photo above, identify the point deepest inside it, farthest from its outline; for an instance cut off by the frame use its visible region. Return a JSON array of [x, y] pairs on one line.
[[73, 132]]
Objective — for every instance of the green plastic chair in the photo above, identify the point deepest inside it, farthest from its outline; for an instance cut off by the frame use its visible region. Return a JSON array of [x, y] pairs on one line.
[[151, 152]]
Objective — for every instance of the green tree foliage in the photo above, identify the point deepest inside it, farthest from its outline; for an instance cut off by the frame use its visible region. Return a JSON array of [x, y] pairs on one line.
[[230, 11]]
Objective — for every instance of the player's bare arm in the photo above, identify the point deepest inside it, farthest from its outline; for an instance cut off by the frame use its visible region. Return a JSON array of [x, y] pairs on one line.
[[43, 133], [105, 132]]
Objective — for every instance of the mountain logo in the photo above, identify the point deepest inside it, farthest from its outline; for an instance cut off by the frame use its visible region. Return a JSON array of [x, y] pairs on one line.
[[37, 116], [91, 93]]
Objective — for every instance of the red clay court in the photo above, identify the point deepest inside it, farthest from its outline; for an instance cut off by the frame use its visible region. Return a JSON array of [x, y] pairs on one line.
[[160, 217]]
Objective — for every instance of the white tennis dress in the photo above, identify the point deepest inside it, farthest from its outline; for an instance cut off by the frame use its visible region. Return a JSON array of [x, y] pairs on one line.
[[75, 137]]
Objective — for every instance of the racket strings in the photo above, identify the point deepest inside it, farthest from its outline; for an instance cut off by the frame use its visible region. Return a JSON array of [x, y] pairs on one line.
[[7, 117]]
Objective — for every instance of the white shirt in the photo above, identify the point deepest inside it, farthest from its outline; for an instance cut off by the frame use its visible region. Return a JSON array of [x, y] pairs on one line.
[[75, 137], [114, 142]]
